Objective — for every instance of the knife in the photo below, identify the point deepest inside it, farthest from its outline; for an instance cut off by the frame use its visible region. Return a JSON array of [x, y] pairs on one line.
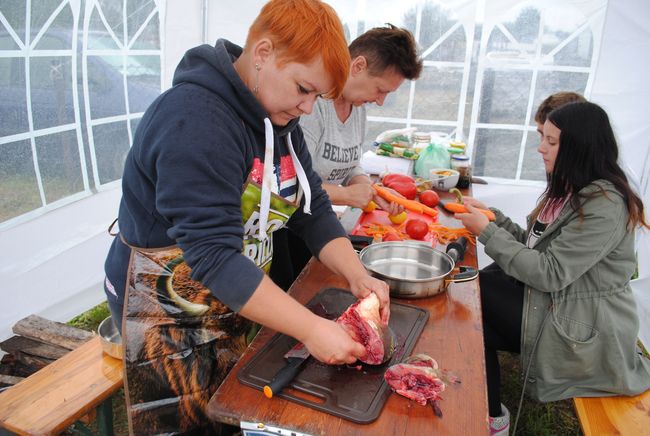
[[349, 220], [295, 358]]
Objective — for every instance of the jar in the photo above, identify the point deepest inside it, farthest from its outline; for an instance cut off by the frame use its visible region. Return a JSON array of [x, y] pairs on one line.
[[460, 163], [421, 140]]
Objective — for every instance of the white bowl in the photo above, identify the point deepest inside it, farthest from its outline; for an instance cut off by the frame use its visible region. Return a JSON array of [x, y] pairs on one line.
[[443, 179]]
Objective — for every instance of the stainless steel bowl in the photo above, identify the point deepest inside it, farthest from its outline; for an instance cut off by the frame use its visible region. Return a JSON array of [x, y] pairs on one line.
[[411, 269], [110, 338]]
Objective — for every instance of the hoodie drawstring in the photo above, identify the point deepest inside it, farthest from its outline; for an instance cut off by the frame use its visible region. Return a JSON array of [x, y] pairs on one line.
[[302, 177], [267, 178]]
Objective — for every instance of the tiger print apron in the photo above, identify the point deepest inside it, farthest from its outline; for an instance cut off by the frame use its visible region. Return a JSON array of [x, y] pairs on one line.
[[180, 341]]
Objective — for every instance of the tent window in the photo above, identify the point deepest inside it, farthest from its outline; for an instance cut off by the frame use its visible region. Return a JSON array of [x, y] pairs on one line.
[[75, 78], [486, 69]]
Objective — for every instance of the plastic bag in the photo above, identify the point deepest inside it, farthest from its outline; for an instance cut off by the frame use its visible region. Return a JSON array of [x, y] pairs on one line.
[[433, 156]]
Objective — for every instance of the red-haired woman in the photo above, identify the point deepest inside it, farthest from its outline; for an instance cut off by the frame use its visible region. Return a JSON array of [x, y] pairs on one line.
[[217, 165]]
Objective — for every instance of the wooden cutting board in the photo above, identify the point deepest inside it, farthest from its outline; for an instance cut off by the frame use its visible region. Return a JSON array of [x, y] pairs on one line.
[[357, 393]]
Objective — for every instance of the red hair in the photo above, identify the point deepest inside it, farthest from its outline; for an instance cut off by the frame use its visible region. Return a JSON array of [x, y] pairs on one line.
[[302, 30]]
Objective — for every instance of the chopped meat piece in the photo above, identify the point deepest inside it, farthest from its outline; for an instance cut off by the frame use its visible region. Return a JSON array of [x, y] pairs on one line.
[[362, 321], [418, 378]]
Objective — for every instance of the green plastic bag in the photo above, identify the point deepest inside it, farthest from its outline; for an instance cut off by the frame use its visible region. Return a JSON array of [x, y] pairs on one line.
[[433, 156]]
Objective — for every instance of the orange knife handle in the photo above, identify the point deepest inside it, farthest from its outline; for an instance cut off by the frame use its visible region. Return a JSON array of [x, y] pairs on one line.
[[284, 377]]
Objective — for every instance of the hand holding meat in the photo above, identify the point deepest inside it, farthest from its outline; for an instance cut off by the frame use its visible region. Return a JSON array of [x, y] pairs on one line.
[[474, 221], [362, 322], [365, 284], [329, 342]]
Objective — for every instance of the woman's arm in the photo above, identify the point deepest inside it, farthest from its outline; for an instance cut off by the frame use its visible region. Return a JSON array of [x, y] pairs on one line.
[[581, 243], [339, 256], [326, 340]]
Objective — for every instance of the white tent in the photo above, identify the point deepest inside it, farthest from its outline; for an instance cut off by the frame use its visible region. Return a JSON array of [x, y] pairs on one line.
[[63, 119]]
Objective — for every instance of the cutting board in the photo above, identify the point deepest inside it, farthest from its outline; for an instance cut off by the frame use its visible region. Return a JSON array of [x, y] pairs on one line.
[[381, 217], [357, 392]]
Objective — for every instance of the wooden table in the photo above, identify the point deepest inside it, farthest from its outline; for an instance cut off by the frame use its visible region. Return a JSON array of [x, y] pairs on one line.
[[453, 336]]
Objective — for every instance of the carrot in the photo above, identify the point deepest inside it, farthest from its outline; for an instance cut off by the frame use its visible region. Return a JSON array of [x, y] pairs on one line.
[[412, 205], [460, 208], [445, 235]]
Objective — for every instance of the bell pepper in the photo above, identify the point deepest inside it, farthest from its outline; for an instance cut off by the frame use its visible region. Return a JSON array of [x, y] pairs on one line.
[[394, 177], [407, 190]]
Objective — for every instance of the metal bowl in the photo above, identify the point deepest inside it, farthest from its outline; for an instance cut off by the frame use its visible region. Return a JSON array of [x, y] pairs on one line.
[[411, 269], [110, 338]]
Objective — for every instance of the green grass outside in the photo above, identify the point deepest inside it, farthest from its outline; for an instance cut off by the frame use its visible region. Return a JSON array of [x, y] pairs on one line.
[[536, 418]]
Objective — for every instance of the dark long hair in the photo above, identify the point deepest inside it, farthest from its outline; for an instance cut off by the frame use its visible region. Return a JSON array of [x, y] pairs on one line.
[[588, 152]]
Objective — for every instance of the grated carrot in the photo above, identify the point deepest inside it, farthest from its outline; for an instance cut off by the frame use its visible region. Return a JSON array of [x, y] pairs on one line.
[[446, 235]]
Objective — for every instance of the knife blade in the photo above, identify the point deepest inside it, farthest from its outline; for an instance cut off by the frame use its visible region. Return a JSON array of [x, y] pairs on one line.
[[350, 218], [295, 358]]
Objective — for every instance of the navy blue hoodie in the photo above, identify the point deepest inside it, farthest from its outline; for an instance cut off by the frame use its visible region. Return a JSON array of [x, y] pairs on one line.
[[192, 154]]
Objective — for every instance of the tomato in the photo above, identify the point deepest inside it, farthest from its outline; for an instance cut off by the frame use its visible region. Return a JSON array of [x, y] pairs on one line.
[[399, 218], [417, 229], [391, 237], [429, 198]]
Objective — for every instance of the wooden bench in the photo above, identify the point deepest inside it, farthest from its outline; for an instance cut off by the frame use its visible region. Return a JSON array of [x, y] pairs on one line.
[[614, 415], [55, 397]]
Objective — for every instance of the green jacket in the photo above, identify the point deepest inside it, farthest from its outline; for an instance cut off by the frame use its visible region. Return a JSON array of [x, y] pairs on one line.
[[578, 304]]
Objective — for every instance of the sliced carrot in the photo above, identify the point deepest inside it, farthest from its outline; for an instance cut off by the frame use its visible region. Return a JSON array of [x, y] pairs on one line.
[[412, 205], [460, 208]]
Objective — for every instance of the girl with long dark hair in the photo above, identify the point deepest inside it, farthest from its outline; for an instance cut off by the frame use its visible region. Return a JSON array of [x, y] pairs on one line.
[[558, 291]]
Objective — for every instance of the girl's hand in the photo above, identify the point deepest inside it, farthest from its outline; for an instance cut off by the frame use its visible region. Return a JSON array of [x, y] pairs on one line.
[[474, 202], [474, 221], [328, 342], [364, 284]]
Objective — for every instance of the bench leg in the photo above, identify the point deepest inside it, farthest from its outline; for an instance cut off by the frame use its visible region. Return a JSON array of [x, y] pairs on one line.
[[104, 421], [105, 418]]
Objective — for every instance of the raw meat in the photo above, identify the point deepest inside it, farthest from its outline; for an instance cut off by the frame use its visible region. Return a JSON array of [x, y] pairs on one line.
[[362, 321], [419, 379]]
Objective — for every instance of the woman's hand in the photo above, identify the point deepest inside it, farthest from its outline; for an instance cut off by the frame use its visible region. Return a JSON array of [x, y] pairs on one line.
[[389, 206], [328, 342], [474, 202], [358, 195], [474, 221], [362, 285]]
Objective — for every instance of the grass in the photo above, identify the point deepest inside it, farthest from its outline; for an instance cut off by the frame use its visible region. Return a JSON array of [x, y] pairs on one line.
[[557, 418], [90, 319]]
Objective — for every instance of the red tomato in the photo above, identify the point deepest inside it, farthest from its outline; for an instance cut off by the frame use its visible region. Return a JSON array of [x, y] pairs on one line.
[[391, 237], [417, 229], [429, 198]]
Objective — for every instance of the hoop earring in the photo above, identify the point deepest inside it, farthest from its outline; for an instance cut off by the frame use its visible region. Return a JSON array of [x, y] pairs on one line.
[[256, 88]]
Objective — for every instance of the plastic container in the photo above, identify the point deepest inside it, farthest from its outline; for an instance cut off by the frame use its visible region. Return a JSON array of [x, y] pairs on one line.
[[460, 163]]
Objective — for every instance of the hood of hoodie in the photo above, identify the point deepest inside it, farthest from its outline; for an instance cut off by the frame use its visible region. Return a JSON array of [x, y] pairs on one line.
[[213, 69]]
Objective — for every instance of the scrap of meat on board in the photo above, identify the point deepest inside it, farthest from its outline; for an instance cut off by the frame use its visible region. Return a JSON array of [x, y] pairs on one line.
[[419, 379]]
